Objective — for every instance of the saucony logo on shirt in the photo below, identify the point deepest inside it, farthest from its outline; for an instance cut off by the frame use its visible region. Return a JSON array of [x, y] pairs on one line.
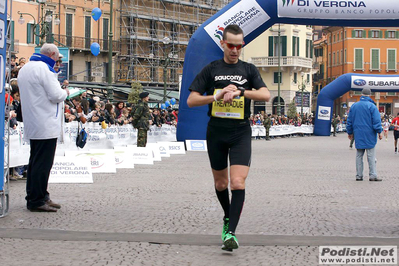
[[229, 77]]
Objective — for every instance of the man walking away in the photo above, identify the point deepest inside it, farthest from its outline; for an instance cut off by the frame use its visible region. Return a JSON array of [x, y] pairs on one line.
[[42, 97], [364, 124]]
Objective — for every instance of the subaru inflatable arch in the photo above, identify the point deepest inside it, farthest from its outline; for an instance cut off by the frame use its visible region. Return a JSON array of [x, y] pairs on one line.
[[343, 84], [255, 17]]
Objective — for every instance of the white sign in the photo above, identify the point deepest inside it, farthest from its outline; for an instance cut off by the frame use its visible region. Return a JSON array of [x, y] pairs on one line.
[[101, 161], [174, 147], [155, 151], [196, 145], [142, 155], [2, 6], [2, 70], [324, 113], [71, 169], [123, 157], [247, 14], [97, 74], [163, 149], [2, 33], [338, 9], [375, 83]]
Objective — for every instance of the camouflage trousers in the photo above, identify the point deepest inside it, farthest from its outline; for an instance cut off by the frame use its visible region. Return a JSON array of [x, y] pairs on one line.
[[141, 137], [267, 133]]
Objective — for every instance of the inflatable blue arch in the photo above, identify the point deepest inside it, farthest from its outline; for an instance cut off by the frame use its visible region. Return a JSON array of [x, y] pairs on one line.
[[343, 84], [255, 17]]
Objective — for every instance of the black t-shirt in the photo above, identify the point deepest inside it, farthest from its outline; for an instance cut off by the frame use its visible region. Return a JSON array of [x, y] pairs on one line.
[[219, 74]]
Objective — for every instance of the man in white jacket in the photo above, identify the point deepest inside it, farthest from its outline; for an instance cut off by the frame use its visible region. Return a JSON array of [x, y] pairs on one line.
[[41, 102]]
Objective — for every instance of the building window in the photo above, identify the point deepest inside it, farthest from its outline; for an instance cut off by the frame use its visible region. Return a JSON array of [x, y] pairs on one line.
[[333, 37], [295, 78], [309, 49], [359, 59], [390, 34], [273, 46], [391, 59], [105, 33], [329, 59], [87, 32], [68, 29], [307, 78], [333, 59], [374, 34], [276, 77], [345, 56], [29, 33], [358, 33], [375, 59]]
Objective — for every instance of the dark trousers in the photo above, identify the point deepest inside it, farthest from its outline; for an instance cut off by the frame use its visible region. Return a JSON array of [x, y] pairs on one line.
[[41, 160]]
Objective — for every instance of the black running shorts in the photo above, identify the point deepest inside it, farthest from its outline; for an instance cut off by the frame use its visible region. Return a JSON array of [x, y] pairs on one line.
[[396, 134], [233, 142]]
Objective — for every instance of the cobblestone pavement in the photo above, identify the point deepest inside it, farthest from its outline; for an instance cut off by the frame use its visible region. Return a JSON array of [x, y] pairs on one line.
[[301, 193]]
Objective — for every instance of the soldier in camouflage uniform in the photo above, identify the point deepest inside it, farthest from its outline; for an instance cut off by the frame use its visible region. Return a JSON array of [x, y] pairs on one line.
[[335, 121], [141, 117], [267, 123]]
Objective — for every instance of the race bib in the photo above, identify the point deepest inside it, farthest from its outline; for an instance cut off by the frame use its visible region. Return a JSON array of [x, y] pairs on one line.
[[234, 110]]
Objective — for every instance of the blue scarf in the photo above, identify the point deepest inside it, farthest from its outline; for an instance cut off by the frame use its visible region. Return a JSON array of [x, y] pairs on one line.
[[45, 59]]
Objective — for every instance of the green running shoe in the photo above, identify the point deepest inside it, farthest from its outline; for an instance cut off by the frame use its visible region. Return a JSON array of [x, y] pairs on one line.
[[230, 241], [225, 227]]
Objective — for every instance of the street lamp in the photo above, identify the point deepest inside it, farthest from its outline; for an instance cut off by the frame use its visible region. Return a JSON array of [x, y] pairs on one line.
[[167, 56], [110, 92], [279, 72], [43, 24], [302, 88]]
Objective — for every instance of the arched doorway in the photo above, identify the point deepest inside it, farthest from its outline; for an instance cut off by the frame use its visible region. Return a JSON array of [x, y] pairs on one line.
[[282, 105]]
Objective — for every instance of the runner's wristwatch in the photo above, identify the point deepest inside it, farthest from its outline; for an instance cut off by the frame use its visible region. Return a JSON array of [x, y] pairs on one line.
[[241, 89]]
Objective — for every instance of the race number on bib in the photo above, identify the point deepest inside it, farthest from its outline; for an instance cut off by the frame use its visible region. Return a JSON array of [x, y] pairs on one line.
[[234, 110]]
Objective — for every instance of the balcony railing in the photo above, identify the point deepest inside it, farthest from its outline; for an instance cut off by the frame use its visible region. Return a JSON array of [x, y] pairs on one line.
[[82, 43], [285, 61]]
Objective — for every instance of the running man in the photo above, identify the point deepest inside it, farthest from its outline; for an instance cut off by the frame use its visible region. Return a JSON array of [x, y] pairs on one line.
[[228, 85], [395, 124]]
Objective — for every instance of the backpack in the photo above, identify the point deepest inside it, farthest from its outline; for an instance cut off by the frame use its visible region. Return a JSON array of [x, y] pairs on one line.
[[81, 138]]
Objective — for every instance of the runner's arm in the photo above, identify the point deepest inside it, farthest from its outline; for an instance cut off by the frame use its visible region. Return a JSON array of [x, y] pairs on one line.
[[196, 99], [262, 94]]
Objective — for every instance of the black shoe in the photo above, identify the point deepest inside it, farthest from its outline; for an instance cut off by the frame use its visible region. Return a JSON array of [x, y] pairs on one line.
[[359, 178], [375, 179], [43, 208]]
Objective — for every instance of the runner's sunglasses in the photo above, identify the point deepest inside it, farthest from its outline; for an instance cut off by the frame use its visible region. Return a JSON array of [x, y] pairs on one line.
[[232, 46]]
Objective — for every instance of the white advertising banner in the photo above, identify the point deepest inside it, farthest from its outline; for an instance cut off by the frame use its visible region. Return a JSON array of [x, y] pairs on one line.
[[247, 14], [196, 145], [71, 169], [175, 147], [324, 112], [163, 149], [155, 151], [339, 9], [101, 161], [375, 83], [123, 157], [142, 155]]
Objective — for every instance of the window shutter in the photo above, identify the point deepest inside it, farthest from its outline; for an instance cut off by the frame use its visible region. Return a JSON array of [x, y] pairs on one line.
[[37, 32], [358, 59], [284, 45], [12, 35], [311, 49], [275, 77], [391, 60], [271, 43], [353, 33], [380, 34], [375, 64], [293, 45], [364, 34], [307, 48], [386, 34], [297, 46], [28, 33], [397, 34], [369, 35]]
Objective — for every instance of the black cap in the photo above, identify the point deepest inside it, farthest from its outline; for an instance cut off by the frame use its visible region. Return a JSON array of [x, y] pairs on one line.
[[143, 94]]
